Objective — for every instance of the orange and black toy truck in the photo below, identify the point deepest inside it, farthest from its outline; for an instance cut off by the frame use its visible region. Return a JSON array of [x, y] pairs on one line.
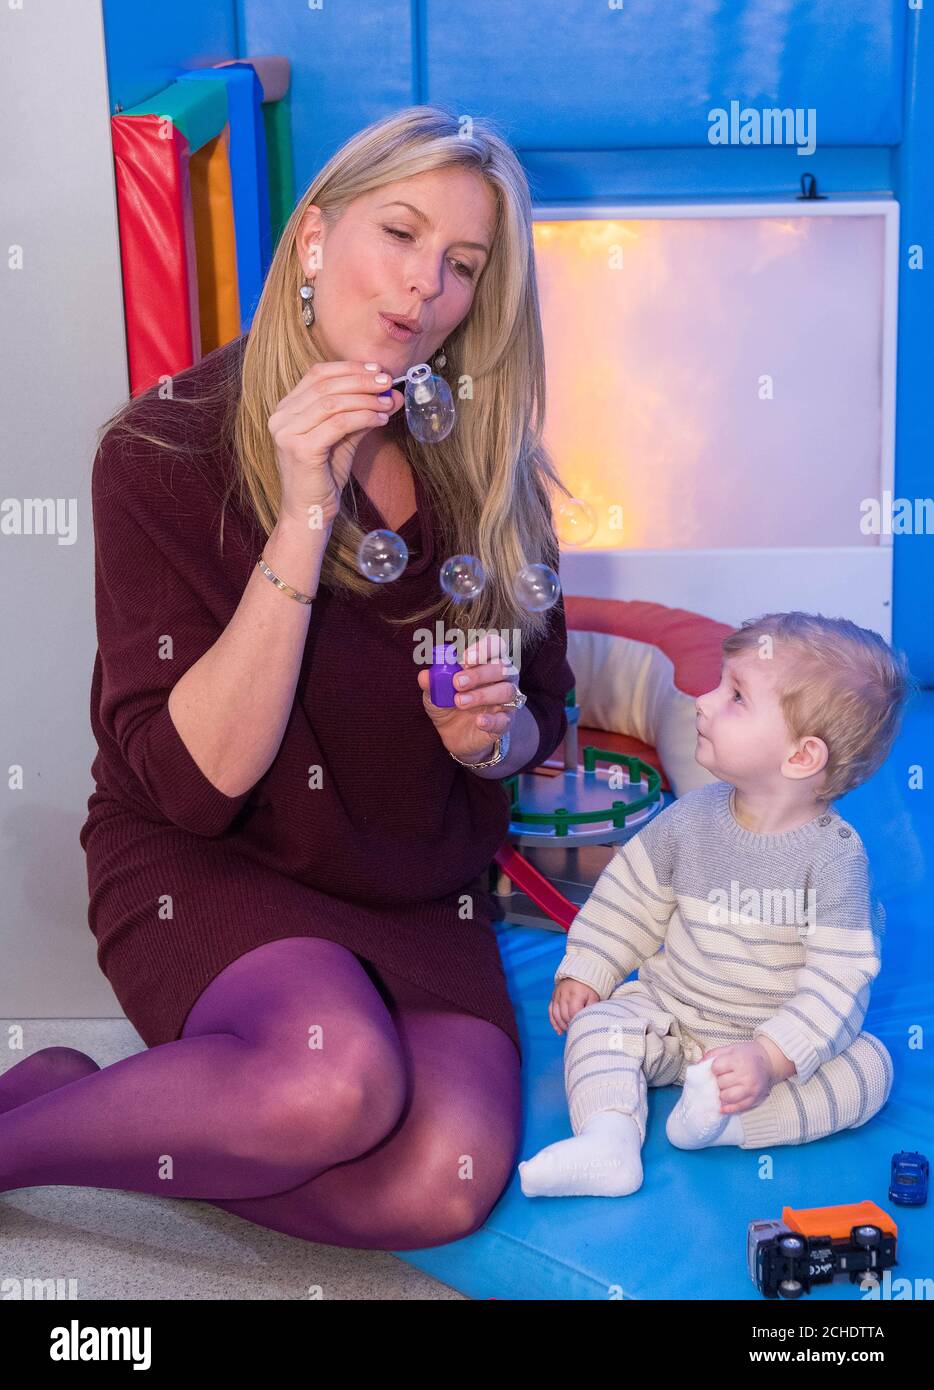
[[811, 1246]]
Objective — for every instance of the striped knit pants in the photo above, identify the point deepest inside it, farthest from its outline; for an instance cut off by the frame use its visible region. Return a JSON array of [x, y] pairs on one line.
[[619, 1046]]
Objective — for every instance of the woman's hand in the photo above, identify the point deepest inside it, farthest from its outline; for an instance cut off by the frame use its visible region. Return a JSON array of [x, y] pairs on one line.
[[744, 1075], [317, 428], [489, 679]]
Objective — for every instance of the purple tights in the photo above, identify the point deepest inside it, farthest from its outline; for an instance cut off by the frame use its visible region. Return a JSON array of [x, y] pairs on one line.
[[296, 1098]]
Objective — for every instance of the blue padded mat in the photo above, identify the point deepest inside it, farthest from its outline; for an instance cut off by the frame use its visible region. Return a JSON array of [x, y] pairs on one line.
[[683, 1234]]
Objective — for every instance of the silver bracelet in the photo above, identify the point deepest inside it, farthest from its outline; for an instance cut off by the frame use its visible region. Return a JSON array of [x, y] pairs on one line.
[[500, 741], [500, 749], [280, 584]]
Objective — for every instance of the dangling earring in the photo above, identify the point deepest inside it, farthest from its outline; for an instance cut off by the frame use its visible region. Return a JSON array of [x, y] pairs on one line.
[[441, 360], [307, 294]]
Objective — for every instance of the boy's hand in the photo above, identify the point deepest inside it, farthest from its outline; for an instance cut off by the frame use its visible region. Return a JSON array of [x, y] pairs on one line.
[[744, 1075], [570, 996]]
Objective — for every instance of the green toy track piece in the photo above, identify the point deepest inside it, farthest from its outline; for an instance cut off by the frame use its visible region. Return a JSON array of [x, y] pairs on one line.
[[619, 813]]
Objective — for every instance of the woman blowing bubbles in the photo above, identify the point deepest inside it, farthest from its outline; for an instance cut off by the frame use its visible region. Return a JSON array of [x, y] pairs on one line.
[[288, 842]]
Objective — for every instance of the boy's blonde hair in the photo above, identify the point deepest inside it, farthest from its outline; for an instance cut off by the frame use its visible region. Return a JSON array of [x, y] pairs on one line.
[[842, 683]]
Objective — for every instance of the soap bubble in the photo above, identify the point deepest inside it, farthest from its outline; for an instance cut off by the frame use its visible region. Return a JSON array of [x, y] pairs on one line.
[[382, 556], [429, 405], [463, 577], [575, 521], [536, 588]]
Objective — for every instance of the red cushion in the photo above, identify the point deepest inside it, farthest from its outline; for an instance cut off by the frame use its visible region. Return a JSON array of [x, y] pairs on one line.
[[691, 641]]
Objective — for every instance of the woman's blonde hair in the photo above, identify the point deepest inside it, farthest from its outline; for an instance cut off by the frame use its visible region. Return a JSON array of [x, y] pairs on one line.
[[489, 480], [840, 683]]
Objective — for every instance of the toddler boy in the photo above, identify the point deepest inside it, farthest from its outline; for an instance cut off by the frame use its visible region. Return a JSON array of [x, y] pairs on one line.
[[747, 907]]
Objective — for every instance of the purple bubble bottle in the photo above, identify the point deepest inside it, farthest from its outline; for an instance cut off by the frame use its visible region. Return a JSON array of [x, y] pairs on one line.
[[441, 676]]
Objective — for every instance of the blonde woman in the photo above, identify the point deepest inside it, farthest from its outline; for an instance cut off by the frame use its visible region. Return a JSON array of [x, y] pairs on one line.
[[288, 844]]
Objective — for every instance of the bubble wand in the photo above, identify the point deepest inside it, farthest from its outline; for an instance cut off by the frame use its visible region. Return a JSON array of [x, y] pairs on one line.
[[429, 405]]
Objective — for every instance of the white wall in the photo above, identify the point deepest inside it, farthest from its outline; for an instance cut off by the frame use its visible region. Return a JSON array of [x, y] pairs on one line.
[[854, 582], [64, 372]]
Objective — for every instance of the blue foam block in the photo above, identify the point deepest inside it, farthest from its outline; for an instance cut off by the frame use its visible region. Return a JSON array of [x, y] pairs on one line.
[[248, 176], [682, 1235]]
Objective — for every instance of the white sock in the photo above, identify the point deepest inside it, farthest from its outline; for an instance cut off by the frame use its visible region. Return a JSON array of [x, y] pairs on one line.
[[696, 1121], [602, 1161]]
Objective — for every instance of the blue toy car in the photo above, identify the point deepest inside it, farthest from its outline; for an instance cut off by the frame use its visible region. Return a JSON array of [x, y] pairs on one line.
[[908, 1184]]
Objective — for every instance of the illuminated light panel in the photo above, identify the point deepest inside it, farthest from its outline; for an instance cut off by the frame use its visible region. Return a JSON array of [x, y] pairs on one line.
[[657, 331]]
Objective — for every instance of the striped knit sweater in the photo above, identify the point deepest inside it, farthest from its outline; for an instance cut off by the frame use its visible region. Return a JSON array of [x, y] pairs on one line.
[[744, 933]]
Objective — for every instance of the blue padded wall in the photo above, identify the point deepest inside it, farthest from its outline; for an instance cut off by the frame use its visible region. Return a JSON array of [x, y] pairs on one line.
[[353, 61], [580, 76], [147, 43], [914, 439]]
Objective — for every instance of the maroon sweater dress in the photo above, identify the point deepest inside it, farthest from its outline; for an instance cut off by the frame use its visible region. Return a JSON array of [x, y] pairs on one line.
[[184, 879]]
